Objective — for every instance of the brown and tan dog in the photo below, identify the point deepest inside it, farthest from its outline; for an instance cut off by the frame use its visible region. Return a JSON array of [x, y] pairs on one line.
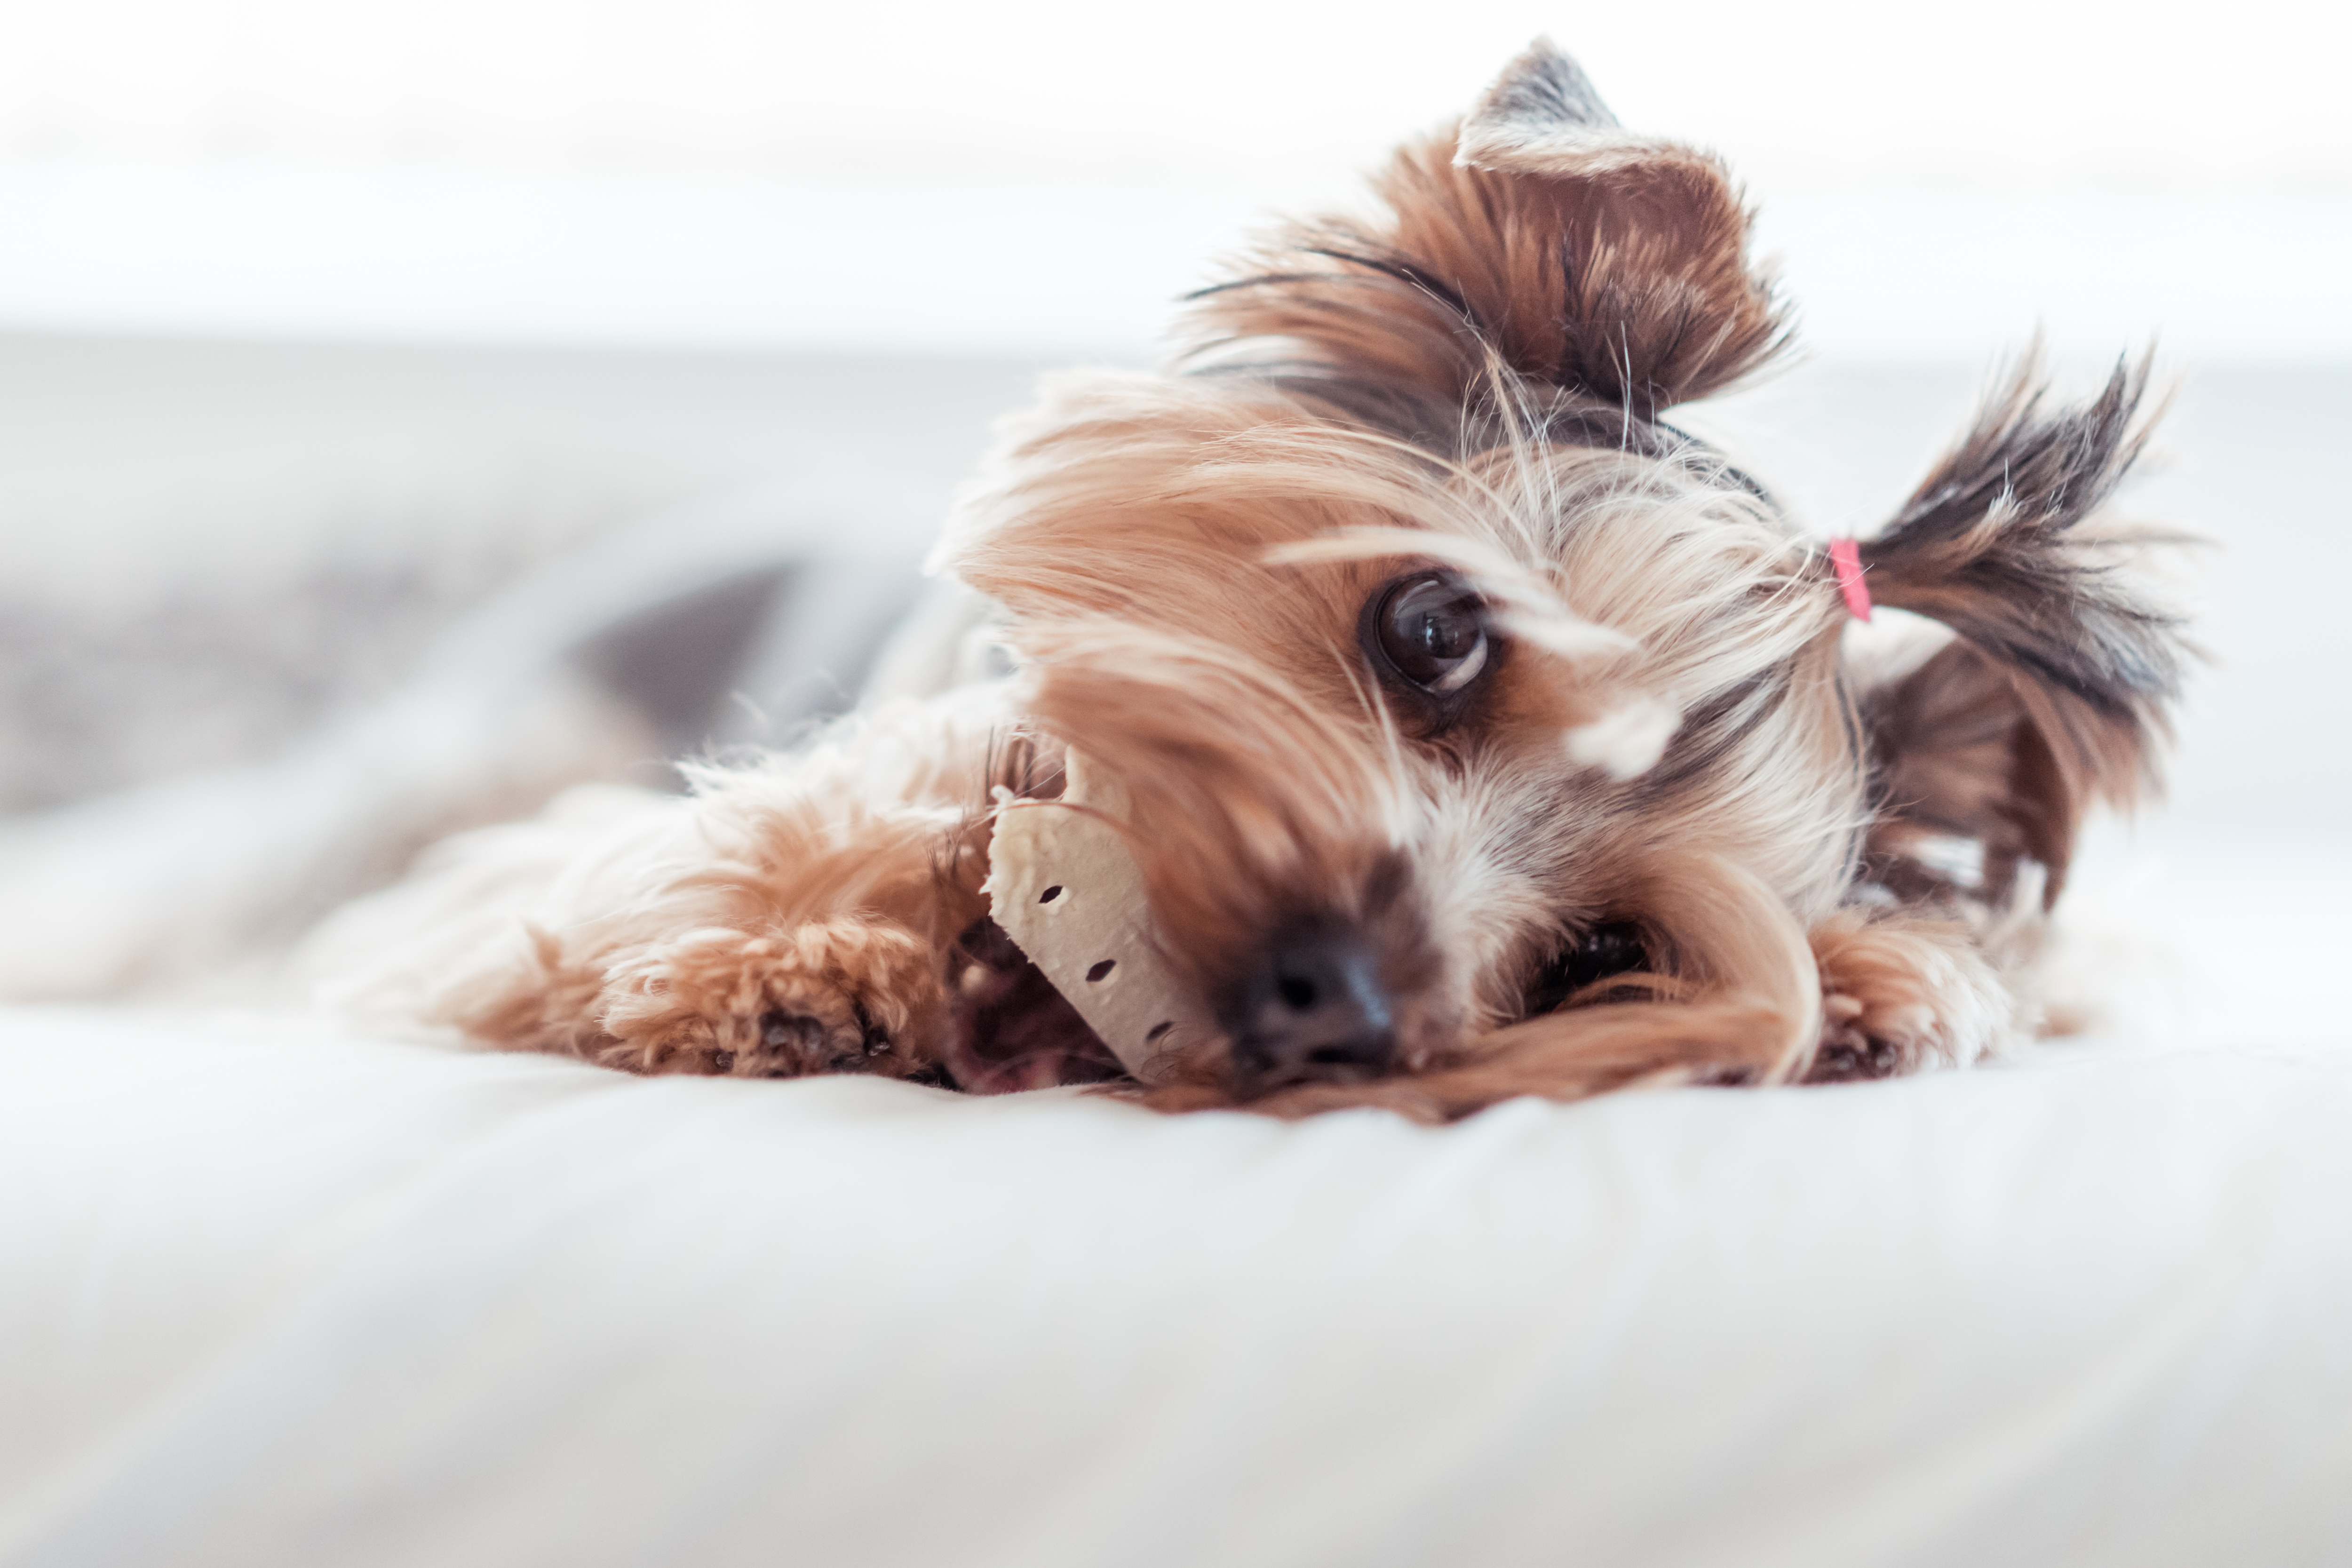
[[1483, 734]]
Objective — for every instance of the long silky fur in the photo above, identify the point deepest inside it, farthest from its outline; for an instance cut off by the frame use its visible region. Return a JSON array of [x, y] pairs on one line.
[[1996, 545], [1177, 556], [1672, 739], [1610, 272], [2067, 669]]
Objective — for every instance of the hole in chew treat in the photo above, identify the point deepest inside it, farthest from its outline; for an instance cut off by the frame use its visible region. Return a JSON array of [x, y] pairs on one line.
[[1050, 894], [1296, 990], [1100, 970], [1158, 1029]]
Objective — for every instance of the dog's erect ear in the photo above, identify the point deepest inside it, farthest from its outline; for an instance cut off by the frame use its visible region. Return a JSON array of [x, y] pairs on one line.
[[2060, 688], [1542, 236], [1543, 116]]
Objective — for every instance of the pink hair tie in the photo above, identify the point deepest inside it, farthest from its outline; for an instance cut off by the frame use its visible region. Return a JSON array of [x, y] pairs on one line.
[[1845, 555]]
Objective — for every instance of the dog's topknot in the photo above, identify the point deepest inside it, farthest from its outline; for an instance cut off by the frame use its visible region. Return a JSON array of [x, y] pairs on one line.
[[1539, 237], [1993, 544], [2056, 692]]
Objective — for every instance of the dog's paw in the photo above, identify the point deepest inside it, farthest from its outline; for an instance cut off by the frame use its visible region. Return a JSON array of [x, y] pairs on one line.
[[1848, 1050], [843, 996], [1901, 995]]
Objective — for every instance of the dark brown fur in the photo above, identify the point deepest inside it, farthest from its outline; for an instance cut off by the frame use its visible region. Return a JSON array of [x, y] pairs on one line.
[[2057, 693], [1607, 274]]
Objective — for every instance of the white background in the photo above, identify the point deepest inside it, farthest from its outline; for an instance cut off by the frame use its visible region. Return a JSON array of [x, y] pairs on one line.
[[1036, 183], [1043, 177]]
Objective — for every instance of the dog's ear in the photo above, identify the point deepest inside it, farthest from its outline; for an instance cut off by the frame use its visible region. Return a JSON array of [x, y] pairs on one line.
[[2059, 688], [1541, 236]]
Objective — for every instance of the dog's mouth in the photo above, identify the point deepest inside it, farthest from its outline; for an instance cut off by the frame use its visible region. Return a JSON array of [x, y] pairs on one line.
[[1322, 1007], [1321, 1016], [1317, 1012], [1258, 1070]]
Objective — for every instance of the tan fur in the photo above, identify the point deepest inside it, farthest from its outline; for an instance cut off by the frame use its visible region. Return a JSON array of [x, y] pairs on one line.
[[1905, 992], [1666, 734]]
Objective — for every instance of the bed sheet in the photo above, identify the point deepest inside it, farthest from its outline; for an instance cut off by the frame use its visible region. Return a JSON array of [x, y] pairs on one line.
[[275, 1294]]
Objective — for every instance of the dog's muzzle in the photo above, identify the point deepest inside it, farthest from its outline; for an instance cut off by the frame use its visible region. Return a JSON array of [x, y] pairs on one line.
[[1313, 1008]]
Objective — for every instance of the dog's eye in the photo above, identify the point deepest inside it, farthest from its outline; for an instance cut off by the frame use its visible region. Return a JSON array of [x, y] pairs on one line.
[[1433, 631]]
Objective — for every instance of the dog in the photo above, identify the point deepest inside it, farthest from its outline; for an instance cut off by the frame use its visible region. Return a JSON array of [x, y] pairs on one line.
[[1475, 731]]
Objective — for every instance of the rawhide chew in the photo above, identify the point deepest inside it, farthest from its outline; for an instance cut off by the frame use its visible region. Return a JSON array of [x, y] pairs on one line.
[[1063, 886]]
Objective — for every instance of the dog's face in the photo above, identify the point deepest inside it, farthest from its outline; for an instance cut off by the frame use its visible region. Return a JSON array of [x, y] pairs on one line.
[[1469, 710]]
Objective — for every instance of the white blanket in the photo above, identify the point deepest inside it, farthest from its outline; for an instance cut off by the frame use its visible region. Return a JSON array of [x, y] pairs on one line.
[[276, 1297]]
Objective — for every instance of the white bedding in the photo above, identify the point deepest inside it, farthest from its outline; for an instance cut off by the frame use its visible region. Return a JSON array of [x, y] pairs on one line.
[[276, 1297]]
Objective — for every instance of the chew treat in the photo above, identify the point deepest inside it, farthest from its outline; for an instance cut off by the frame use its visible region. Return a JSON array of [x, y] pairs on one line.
[[1063, 886]]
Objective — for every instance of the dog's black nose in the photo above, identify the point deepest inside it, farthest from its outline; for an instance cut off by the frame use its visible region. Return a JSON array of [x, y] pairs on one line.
[[1313, 1008]]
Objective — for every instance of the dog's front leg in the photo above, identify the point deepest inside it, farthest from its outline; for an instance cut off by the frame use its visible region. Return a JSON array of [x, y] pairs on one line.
[[849, 994], [763, 930], [795, 916]]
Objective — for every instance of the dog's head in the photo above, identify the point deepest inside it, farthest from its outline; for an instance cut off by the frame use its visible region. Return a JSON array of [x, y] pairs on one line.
[[1472, 711]]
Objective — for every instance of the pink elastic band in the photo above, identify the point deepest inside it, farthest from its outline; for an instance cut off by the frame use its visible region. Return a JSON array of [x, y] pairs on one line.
[[1845, 554]]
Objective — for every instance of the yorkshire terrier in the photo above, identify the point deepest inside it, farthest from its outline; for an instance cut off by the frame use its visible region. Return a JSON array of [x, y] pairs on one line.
[[1470, 731]]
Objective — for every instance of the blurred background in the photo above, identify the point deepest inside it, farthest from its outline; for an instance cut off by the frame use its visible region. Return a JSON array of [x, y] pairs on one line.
[[324, 325]]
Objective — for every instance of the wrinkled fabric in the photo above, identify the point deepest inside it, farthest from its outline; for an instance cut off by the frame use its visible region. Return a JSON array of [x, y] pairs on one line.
[[276, 1296]]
